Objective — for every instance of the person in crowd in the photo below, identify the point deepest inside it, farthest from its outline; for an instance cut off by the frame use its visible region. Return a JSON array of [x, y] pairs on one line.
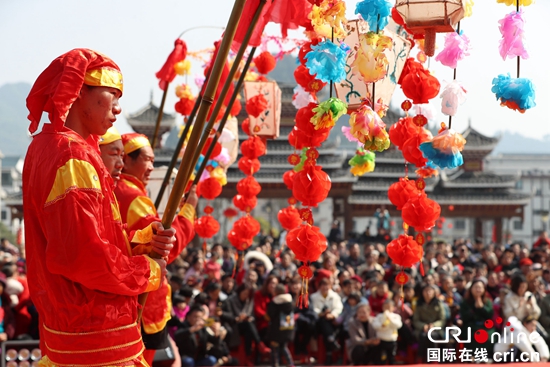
[[387, 323], [220, 350], [262, 298], [362, 345], [493, 286], [77, 252], [228, 285], [335, 234], [354, 259], [327, 304], [404, 310], [228, 260], [306, 321], [429, 313], [475, 309], [7, 319], [285, 269], [450, 297], [281, 325], [377, 299], [522, 340], [520, 302], [112, 153], [196, 270]]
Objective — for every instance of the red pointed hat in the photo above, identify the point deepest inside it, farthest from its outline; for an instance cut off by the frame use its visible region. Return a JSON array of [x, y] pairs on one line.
[[58, 86]]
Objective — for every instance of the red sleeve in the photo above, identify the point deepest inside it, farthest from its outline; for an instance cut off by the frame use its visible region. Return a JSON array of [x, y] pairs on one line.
[[78, 251], [185, 231]]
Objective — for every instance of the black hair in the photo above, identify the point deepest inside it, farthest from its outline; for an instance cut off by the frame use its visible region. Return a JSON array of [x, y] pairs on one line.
[[135, 154], [516, 282], [213, 286], [346, 282], [176, 279], [186, 291], [193, 309]]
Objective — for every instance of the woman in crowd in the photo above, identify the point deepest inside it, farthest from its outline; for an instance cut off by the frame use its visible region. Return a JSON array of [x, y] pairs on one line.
[[520, 302], [475, 309], [362, 343], [262, 297]]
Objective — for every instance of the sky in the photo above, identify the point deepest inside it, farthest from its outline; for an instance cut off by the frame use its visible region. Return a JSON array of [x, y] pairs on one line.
[[139, 35]]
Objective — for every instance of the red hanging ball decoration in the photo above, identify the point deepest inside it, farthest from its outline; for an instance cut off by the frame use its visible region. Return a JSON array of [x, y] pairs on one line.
[[249, 166], [247, 227], [402, 131], [217, 148], [417, 82], [404, 251], [288, 178], [238, 242], [400, 192], [305, 49], [245, 204], [311, 185], [230, 213], [411, 151], [248, 187], [265, 62], [307, 242], [402, 278], [184, 106], [307, 81], [236, 108], [207, 226], [256, 105], [246, 126], [289, 218], [421, 213], [253, 147], [208, 209], [209, 188]]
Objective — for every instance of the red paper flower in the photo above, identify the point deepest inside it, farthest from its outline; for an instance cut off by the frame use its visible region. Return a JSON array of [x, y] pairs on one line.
[[307, 242], [400, 192], [289, 218], [209, 188], [288, 178], [245, 204], [307, 81], [253, 147], [217, 148], [256, 105], [402, 131], [404, 251], [207, 226], [421, 213], [249, 166], [265, 62], [248, 187], [311, 185], [417, 83]]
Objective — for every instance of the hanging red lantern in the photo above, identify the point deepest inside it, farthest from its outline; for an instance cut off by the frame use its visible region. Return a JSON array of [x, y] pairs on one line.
[[311, 185], [246, 227], [245, 204], [307, 242], [402, 131], [289, 218], [307, 81], [239, 242], [248, 187], [236, 108], [411, 151], [217, 148], [209, 188], [253, 147], [206, 226], [421, 213], [417, 82], [300, 140], [288, 178], [249, 166], [404, 251], [305, 49], [246, 126], [400, 192], [256, 105], [184, 106], [230, 213], [265, 62]]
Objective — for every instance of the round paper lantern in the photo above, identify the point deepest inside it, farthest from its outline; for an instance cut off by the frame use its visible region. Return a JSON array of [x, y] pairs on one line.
[[305, 49], [236, 108], [206, 226], [209, 188], [289, 218], [404, 251], [230, 213], [217, 148], [402, 131], [246, 227], [238, 242], [256, 105], [311, 185], [245, 204], [248, 187], [307, 242], [246, 126], [421, 213], [417, 82], [300, 140], [265, 62], [288, 178], [411, 151], [184, 106], [307, 81], [249, 166], [400, 192], [253, 147]]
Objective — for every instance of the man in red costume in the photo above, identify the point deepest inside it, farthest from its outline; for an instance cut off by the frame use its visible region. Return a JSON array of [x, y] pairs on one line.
[[112, 152], [82, 279], [138, 211]]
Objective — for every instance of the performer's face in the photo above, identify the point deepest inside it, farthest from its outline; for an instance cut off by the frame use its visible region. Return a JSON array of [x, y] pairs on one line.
[[142, 166], [99, 108], [112, 155]]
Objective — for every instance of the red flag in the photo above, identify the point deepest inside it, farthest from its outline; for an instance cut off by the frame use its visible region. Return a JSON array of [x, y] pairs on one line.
[[167, 73]]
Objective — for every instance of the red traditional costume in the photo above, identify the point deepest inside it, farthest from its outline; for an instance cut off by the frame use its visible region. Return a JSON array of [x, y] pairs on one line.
[[138, 212], [81, 276]]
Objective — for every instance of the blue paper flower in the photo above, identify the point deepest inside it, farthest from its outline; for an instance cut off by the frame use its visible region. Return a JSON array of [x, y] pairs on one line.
[[328, 61], [371, 9], [514, 93], [440, 159]]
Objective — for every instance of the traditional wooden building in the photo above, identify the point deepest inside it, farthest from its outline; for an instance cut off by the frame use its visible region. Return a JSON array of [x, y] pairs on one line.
[[144, 121]]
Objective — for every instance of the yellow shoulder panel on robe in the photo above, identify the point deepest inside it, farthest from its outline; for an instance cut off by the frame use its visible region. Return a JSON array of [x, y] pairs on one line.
[[140, 207], [73, 175], [131, 184]]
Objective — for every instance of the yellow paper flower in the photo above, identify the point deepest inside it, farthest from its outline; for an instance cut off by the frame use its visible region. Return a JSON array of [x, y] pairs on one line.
[[219, 175], [184, 91], [362, 169], [468, 8], [514, 2], [183, 67], [329, 16], [370, 61]]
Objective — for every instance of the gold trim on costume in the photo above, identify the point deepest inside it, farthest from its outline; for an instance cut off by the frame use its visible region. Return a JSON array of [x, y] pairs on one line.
[[143, 236], [154, 276], [73, 175], [45, 361], [188, 212], [91, 332], [104, 77], [94, 350]]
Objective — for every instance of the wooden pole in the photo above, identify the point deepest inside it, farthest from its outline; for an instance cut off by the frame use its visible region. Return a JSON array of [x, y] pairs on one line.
[[159, 117], [236, 92], [183, 174]]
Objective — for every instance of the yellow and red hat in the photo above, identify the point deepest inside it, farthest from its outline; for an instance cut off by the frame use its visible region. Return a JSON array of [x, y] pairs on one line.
[[134, 141], [111, 135], [58, 86]]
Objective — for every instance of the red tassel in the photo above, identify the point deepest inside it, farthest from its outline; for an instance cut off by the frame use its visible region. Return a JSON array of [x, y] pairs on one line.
[[421, 268], [299, 302], [306, 300], [236, 265]]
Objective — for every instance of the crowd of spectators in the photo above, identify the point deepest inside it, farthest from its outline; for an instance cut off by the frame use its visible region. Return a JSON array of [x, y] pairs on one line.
[[231, 310]]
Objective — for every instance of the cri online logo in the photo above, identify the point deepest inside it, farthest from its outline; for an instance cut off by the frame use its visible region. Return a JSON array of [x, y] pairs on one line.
[[481, 336]]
